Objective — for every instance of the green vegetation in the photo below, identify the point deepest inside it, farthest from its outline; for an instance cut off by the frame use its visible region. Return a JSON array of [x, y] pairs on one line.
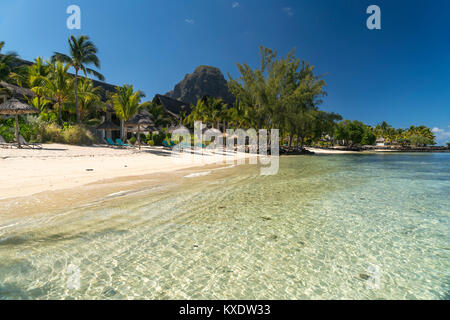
[[354, 133], [282, 93], [34, 129], [82, 53], [8, 67], [126, 103]]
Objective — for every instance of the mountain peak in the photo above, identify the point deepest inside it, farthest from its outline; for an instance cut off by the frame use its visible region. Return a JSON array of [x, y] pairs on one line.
[[205, 80]]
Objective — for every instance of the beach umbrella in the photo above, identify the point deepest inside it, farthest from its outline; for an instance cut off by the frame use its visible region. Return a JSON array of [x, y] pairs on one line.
[[108, 126], [172, 129], [181, 131], [15, 107], [141, 119]]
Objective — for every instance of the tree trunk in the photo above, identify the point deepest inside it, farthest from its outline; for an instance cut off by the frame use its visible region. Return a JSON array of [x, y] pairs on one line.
[[291, 137], [17, 131], [122, 129], [298, 138], [303, 142], [76, 97], [139, 136], [39, 103], [60, 114], [108, 132]]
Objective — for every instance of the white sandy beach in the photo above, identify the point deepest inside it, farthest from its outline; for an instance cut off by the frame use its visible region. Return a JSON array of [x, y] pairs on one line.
[[24, 172]]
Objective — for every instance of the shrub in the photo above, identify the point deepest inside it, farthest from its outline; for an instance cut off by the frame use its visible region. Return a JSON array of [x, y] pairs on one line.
[[49, 133], [158, 138], [77, 135], [7, 133], [132, 140], [35, 129], [27, 129], [150, 143]]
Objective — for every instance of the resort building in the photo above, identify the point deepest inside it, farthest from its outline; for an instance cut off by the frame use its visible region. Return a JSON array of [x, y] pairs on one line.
[[8, 91], [173, 107], [381, 142]]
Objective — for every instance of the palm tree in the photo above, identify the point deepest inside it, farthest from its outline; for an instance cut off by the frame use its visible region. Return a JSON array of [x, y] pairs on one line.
[[36, 75], [89, 96], [83, 53], [199, 113], [159, 115], [58, 86], [40, 104], [6, 63], [215, 110], [126, 103]]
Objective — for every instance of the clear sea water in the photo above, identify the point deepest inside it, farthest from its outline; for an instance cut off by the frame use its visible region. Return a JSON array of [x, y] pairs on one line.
[[325, 227]]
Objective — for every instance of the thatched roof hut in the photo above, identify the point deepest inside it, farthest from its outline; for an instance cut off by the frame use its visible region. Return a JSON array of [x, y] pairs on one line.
[[15, 107], [109, 126], [143, 118], [172, 106], [15, 91], [380, 141], [172, 129]]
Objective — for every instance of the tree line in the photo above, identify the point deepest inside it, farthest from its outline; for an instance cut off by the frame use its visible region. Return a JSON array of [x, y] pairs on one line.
[[283, 93]]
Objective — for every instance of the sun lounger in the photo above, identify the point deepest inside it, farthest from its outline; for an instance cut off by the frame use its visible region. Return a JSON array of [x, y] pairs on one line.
[[111, 143], [24, 143], [120, 143]]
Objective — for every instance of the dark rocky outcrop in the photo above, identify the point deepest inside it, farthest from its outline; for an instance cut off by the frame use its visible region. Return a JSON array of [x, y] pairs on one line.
[[205, 81], [295, 152]]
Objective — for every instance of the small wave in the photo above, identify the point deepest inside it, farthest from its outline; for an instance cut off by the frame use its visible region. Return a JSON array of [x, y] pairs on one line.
[[120, 193], [9, 226], [228, 167], [199, 174]]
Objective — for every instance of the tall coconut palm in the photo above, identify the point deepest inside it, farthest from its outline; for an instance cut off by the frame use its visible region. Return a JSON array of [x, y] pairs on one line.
[[126, 103], [83, 53], [58, 86]]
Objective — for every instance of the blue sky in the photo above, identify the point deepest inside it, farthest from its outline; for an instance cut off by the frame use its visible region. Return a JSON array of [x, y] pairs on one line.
[[400, 73]]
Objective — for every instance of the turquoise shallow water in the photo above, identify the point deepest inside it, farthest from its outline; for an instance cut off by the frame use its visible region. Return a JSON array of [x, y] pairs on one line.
[[324, 227]]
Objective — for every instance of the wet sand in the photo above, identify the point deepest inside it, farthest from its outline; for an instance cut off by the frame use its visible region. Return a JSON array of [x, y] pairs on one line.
[[60, 176]]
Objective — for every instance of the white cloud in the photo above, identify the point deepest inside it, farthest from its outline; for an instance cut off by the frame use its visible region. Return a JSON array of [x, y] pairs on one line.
[[190, 21], [235, 5], [442, 136], [288, 11]]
